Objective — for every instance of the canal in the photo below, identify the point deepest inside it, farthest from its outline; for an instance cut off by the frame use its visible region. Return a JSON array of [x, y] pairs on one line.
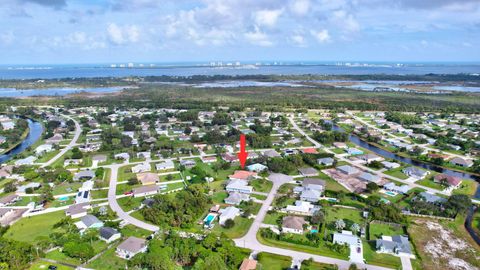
[[35, 132], [389, 155]]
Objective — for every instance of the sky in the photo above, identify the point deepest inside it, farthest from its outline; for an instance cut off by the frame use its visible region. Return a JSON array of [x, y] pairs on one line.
[[115, 31]]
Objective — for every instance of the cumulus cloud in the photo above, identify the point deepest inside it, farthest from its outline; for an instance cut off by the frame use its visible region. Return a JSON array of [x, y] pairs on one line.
[[259, 38], [119, 35], [300, 7], [267, 17], [322, 36]]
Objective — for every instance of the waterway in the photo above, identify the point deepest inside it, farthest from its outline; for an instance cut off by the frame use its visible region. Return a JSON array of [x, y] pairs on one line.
[[389, 155], [35, 132]]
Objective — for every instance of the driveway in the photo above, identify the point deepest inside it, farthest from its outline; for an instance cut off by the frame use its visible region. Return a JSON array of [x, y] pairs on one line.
[[73, 142]]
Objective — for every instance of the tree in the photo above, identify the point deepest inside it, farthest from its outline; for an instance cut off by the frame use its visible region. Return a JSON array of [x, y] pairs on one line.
[[318, 217], [372, 187], [76, 153], [339, 224], [460, 203], [355, 228], [80, 250], [132, 181], [99, 172], [229, 223]]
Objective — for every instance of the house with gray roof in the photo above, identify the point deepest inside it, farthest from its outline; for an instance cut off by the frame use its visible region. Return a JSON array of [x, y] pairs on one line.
[[395, 245], [131, 247], [308, 171], [84, 175], [108, 234], [368, 177], [458, 161], [235, 198], [430, 198], [347, 169], [328, 161], [415, 172]]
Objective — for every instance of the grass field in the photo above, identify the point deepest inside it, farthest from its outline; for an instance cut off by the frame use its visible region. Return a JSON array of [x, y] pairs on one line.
[[240, 229], [385, 260], [397, 173], [273, 261], [43, 265], [376, 230], [261, 185], [29, 228], [108, 261]]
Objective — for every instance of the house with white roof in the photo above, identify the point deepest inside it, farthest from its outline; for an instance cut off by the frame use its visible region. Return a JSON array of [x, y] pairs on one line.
[[142, 167], [230, 212], [239, 186]]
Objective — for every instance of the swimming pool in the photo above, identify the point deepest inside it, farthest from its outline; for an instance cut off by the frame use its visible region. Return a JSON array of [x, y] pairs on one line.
[[63, 199], [390, 193], [207, 221]]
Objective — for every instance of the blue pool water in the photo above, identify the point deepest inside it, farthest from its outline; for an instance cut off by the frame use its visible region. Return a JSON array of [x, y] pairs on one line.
[[63, 199]]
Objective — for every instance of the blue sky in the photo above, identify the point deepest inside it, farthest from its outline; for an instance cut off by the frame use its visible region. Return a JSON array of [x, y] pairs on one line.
[[112, 31]]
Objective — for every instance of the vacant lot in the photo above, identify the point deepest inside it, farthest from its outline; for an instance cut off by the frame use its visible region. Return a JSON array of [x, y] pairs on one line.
[[444, 245], [273, 261], [29, 229]]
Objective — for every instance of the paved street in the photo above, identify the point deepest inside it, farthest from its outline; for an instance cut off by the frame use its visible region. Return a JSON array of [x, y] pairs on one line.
[[73, 142]]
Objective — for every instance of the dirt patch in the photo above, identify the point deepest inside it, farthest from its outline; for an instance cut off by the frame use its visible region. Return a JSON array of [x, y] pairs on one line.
[[441, 247]]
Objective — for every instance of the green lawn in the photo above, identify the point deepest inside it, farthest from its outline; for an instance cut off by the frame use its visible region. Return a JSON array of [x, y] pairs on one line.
[[131, 230], [271, 218], [397, 173], [65, 188], [317, 266], [258, 196], [61, 257], [129, 203], [43, 265], [108, 261], [429, 183], [273, 261], [240, 229], [99, 194], [29, 228], [322, 249], [467, 187], [261, 185], [175, 186], [376, 230]]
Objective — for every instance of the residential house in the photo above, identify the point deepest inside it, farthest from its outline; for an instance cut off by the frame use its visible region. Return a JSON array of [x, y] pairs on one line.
[[328, 161], [354, 151], [368, 177], [187, 163], [42, 149], [451, 181], [84, 175], [124, 156], [83, 196], [311, 189], [458, 161], [248, 264], [166, 165], [301, 208], [257, 167], [370, 157], [89, 222], [9, 199], [148, 178], [145, 155], [293, 224], [346, 238], [77, 210], [415, 172], [142, 167], [235, 198], [108, 234], [347, 169], [390, 165], [68, 162], [26, 161], [403, 189], [228, 213], [308, 171], [208, 159], [239, 186], [131, 247], [146, 190], [242, 175], [271, 154], [430, 198], [55, 139], [395, 245]]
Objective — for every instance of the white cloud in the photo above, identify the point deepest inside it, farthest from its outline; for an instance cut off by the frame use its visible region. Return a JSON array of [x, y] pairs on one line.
[[300, 7], [121, 35], [345, 21], [258, 38], [7, 38], [268, 18], [322, 36], [77, 37], [298, 40]]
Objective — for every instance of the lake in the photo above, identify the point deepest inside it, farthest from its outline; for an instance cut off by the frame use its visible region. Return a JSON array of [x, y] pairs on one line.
[[12, 92], [35, 131]]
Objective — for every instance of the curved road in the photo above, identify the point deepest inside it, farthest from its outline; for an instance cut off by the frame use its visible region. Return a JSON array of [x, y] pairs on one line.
[[112, 201], [73, 142]]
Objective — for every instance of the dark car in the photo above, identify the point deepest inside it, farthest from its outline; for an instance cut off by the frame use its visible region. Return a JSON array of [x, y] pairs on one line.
[[52, 267]]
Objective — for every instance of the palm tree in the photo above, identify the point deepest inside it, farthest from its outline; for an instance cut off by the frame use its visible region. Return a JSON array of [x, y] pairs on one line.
[[339, 224], [355, 228]]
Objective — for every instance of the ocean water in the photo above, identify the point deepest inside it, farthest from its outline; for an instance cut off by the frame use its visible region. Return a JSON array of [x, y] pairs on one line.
[[189, 69]]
